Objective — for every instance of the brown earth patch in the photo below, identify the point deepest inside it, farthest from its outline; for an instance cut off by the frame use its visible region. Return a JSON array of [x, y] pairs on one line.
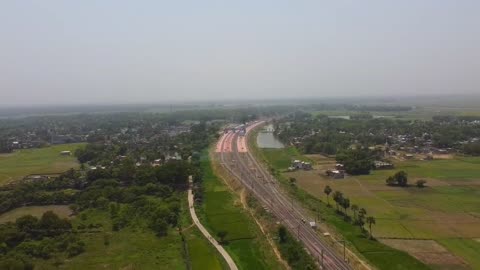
[[430, 182], [429, 252], [443, 156]]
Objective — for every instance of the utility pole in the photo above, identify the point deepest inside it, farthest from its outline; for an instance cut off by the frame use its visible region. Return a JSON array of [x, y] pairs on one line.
[[322, 259]]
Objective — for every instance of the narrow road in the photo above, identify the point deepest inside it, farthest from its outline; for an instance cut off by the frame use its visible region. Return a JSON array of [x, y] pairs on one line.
[[204, 231]]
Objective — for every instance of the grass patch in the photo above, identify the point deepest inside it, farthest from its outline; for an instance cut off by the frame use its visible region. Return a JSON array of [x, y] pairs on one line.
[[222, 211], [127, 249], [281, 158], [201, 253], [468, 249], [23, 162]]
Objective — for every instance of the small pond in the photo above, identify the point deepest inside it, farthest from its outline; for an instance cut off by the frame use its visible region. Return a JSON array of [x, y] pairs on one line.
[[266, 139]]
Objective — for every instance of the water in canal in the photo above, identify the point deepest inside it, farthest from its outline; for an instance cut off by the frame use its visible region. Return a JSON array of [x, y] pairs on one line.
[[266, 139]]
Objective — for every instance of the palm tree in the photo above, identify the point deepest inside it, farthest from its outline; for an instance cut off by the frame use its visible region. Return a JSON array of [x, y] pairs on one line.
[[354, 208], [346, 204], [327, 191], [370, 221], [337, 197], [361, 215]]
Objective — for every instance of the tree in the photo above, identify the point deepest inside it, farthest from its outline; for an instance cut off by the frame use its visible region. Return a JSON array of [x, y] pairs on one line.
[[282, 234], [400, 178], [292, 181], [160, 227], [421, 183], [354, 208], [327, 190], [222, 235], [370, 221], [361, 215], [338, 197], [106, 239], [345, 204], [356, 161], [390, 181], [27, 223], [50, 224], [75, 248], [126, 170], [74, 208]]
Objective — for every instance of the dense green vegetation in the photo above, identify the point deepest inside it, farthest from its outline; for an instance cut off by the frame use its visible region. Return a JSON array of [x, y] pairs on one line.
[[356, 161], [322, 134], [293, 251], [32, 237], [221, 213], [117, 196]]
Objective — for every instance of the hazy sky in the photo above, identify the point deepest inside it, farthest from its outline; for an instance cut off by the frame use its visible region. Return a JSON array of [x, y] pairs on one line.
[[111, 51]]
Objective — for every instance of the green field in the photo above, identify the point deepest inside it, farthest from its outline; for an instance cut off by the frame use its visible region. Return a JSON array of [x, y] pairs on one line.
[[62, 211], [447, 210], [201, 253], [127, 248], [222, 211], [23, 162], [282, 158], [466, 248], [375, 252]]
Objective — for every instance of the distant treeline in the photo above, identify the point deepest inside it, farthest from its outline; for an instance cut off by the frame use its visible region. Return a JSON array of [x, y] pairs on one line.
[[453, 118], [359, 108]]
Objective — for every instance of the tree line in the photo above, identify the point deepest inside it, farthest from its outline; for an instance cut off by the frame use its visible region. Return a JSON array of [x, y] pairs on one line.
[[360, 217]]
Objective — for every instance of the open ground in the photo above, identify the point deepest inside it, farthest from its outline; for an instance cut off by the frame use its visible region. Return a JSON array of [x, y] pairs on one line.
[[446, 212], [14, 166]]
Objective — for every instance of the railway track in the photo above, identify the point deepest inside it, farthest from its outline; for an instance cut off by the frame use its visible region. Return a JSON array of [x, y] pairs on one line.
[[243, 166]]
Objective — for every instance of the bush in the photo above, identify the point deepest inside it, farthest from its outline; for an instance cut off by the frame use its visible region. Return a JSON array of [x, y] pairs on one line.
[[421, 183], [75, 248], [399, 179]]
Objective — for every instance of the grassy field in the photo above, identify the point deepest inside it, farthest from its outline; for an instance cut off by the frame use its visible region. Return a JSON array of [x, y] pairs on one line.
[[133, 248], [37, 161], [62, 211], [446, 211], [466, 248], [282, 158], [376, 253], [222, 211], [201, 253], [127, 249]]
